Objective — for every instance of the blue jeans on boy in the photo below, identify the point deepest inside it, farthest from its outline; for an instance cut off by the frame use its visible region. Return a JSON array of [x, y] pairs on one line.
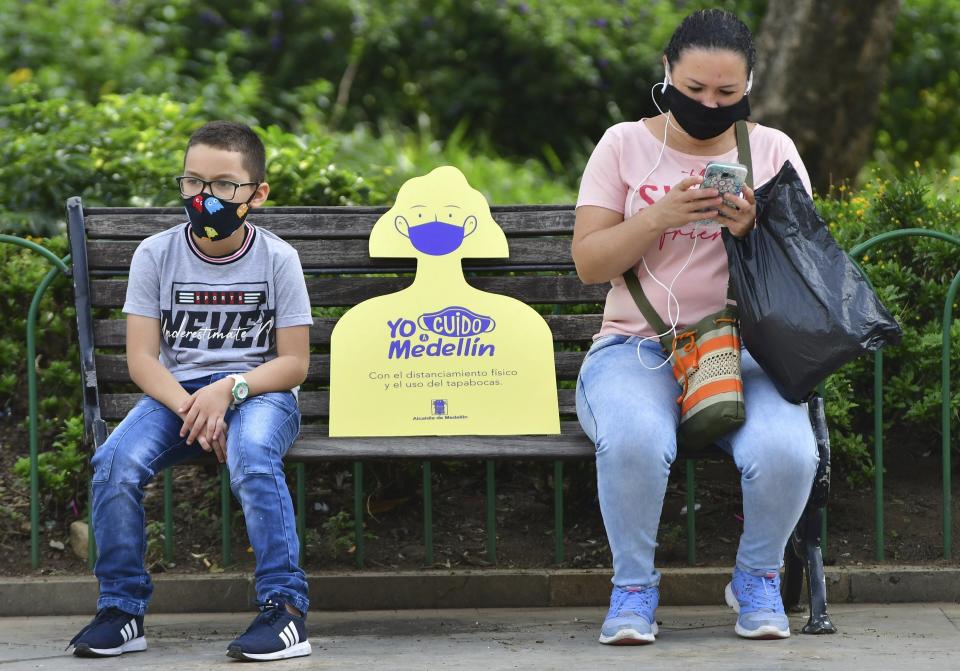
[[631, 415], [261, 430]]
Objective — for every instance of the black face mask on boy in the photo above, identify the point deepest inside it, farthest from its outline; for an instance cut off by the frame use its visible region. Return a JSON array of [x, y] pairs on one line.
[[213, 218], [700, 121]]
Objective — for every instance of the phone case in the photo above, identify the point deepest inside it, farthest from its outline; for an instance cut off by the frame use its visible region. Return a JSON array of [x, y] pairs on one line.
[[725, 177]]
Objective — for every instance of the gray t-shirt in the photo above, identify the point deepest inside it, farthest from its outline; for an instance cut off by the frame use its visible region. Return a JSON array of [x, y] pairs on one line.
[[217, 314]]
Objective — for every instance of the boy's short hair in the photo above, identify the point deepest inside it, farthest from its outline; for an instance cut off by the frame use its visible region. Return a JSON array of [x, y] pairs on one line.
[[232, 136]]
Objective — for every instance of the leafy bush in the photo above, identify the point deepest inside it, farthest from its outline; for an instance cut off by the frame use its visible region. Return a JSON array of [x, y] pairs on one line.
[[126, 149], [63, 470], [919, 118], [395, 154], [83, 47], [911, 275], [21, 271], [571, 68]]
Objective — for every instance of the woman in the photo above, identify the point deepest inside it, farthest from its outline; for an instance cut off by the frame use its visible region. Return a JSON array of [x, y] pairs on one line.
[[639, 209]]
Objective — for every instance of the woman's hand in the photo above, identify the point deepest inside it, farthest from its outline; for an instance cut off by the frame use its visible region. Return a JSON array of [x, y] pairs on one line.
[[739, 215], [684, 205]]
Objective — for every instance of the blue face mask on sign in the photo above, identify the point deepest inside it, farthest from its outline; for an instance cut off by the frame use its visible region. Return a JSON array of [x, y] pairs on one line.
[[436, 238]]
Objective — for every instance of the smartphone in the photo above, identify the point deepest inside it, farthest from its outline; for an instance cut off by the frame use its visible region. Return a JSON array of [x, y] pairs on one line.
[[726, 178]]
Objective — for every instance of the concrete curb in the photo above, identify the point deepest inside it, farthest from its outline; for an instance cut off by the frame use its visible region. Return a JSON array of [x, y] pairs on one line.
[[499, 588]]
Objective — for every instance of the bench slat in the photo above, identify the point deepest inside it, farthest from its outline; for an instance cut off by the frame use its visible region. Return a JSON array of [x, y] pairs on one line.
[[113, 367], [342, 292], [114, 407], [565, 328], [332, 254], [317, 225], [315, 445]]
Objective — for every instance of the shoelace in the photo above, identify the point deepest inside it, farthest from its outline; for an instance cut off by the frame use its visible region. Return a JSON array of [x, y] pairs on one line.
[[637, 601], [765, 599], [270, 611], [104, 615]]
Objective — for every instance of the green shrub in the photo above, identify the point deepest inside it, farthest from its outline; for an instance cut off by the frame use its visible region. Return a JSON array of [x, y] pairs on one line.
[[125, 151], [21, 271], [534, 76], [63, 470], [919, 118], [911, 275], [395, 154]]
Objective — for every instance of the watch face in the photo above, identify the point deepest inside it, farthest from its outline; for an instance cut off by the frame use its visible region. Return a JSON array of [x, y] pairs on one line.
[[240, 390]]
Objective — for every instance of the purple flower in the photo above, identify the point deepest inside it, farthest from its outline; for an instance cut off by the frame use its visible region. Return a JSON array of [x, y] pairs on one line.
[[276, 42], [211, 18], [600, 23], [277, 15], [523, 8]]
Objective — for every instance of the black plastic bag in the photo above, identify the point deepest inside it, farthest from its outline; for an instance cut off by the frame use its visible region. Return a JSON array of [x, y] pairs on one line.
[[805, 308]]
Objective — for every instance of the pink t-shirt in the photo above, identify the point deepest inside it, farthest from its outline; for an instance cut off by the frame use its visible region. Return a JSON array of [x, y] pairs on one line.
[[624, 156]]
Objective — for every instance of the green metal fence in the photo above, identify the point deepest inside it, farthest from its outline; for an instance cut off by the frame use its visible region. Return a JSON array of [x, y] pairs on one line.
[[856, 253], [61, 266]]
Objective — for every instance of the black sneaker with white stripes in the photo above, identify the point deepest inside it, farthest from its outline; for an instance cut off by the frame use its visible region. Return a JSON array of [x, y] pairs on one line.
[[112, 632], [274, 634]]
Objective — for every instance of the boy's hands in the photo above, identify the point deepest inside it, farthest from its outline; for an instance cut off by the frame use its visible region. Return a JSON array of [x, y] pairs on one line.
[[203, 414]]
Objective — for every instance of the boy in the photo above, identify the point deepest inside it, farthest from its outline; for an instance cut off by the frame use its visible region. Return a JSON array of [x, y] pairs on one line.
[[218, 325]]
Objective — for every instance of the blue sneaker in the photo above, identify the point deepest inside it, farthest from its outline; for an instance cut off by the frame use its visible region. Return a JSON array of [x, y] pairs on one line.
[[273, 634], [111, 632], [630, 620], [757, 601]]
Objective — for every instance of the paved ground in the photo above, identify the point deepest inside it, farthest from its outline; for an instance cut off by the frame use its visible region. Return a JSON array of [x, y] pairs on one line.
[[875, 637]]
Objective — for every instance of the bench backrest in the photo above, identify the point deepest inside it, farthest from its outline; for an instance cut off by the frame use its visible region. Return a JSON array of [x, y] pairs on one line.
[[332, 243]]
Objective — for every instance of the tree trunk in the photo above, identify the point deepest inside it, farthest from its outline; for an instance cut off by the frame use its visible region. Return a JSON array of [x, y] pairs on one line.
[[821, 67]]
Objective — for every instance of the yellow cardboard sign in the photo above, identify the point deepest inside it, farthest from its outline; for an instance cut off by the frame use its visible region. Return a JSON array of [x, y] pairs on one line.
[[441, 357]]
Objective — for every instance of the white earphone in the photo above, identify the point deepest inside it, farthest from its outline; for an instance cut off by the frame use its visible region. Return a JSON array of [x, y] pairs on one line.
[[672, 301]]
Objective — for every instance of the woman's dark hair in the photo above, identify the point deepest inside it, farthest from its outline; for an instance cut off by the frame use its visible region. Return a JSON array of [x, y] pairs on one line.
[[712, 29], [238, 137]]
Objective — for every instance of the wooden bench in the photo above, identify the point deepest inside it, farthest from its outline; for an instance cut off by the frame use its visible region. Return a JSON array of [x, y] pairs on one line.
[[332, 243]]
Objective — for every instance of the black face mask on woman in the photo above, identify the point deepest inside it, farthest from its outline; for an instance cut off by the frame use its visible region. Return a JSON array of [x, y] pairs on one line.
[[700, 121]]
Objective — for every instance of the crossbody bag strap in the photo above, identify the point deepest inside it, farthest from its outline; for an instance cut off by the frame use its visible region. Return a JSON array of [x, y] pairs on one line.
[[640, 298], [743, 150], [633, 283]]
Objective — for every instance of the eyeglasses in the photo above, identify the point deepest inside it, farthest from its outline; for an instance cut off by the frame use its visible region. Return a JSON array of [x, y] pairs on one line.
[[223, 189]]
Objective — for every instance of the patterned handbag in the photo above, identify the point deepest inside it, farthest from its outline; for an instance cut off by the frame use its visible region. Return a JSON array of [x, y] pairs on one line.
[[706, 357]]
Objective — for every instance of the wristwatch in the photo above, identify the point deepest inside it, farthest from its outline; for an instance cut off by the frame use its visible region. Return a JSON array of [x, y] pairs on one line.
[[240, 389]]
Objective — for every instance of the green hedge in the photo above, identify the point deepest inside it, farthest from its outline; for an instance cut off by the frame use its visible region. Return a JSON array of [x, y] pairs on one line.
[[535, 77], [126, 149], [911, 275], [919, 118]]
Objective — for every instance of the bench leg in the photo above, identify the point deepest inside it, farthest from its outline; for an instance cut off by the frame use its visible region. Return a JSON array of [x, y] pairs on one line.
[[819, 622], [427, 515], [793, 572], [491, 514], [301, 471], [358, 511]]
